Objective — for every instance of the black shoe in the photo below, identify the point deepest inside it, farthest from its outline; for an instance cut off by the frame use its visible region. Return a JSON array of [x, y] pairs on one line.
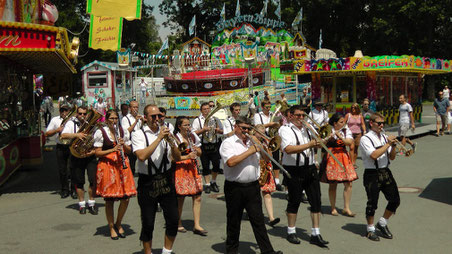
[[214, 187], [122, 235], [279, 187], [318, 240], [207, 189], [200, 232], [304, 198], [93, 210], [372, 236], [292, 238], [74, 195], [114, 237], [274, 222], [384, 231], [82, 210], [64, 194]]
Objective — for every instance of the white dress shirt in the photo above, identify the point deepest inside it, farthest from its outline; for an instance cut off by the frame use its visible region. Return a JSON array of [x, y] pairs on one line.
[[367, 149], [71, 127], [286, 132], [228, 125], [99, 138], [246, 171], [321, 117], [128, 120], [139, 143], [169, 126], [54, 124], [198, 124], [261, 118]]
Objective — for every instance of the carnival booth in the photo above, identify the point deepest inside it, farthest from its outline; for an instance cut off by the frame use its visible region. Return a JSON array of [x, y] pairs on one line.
[[111, 81], [27, 48]]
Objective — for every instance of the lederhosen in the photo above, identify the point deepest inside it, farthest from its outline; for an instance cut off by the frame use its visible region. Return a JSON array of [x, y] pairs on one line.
[[157, 188], [380, 179], [210, 153], [305, 178]]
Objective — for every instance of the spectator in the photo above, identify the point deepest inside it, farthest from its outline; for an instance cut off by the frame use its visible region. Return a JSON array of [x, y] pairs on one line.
[[441, 107], [367, 112], [446, 92], [355, 122]]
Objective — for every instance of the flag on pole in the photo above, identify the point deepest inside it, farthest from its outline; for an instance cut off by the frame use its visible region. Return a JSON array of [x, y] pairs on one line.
[[223, 12], [192, 26], [298, 18], [320, 39], [237, 9], [164, 46], [278, 10], [264, 9]]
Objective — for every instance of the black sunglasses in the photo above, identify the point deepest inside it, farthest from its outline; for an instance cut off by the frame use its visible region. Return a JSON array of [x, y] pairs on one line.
[[379, 123], [155, 116], [83, 114], [245, 128]]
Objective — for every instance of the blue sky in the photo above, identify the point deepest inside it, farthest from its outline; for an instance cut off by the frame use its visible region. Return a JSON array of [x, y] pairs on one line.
[[163, 32]]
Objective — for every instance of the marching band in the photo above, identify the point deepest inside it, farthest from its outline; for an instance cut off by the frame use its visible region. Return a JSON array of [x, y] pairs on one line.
[[166, 161]]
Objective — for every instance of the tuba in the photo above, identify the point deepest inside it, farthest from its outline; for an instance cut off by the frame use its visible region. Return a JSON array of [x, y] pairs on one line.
[[211, 122], [80, 147], [67, 141]]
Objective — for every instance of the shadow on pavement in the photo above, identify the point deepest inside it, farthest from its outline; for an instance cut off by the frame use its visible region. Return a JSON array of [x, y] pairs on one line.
[[244, 247], [281, 231], [359, 229], [188, 225], [105, 230], [75, 205], [439, 190]]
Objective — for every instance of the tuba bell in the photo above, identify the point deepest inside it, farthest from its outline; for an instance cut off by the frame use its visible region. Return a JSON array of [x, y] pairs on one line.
[[80, 147], [211, 122]]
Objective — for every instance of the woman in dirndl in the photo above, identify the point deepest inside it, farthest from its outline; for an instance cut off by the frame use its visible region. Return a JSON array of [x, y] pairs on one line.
[[333, 173], [186, 178], [114, 180], [267, 181]]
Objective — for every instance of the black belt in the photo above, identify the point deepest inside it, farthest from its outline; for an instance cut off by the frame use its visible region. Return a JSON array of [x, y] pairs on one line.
[[242, 184]]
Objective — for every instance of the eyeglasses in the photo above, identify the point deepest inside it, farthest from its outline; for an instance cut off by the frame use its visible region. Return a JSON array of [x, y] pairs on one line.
[[380, 123], [211, 106], [245, 128], [83, 114], [156, 115]]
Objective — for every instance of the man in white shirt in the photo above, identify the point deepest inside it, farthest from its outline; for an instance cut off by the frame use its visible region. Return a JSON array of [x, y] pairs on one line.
[[446, 92], [162, 120], [143, 89], [319, 115], [228, 126], [241, 188], [406, 120], [132, 122], [155, 185], [209, 148], [124, 112], [377, 149], [62, 151], [298, 145], [80, 165]]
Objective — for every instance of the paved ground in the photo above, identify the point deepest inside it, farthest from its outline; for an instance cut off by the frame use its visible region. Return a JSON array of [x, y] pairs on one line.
[[34, 219]]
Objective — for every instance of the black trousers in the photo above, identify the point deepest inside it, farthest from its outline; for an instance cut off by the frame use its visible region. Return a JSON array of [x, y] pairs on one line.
[[47, 117], [78, 168], [275, 156], [303, 178], [132, 160], [210, 155], [244, 196], [148, 208], [380, 180], [62, 153]]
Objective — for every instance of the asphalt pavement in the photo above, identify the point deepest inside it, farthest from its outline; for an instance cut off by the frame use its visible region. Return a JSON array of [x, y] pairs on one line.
[[34, 219]]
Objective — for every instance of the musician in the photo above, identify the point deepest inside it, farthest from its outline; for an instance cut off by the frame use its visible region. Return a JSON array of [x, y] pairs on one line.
[[241, 187], [264, 119], [124, 112], [62, 151], [298, 146], [319, 115], [209, 150], [377, 151], [228, 127], [114, 182], [132, 122], [80, 165], [187, 180], [162, 120]]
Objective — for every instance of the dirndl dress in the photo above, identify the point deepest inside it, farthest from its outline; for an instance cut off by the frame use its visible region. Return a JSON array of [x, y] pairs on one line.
[[332, 171], [270, 185], [186, 178]]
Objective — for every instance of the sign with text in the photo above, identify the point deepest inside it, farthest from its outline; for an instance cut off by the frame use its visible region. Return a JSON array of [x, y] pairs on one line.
[[256, 19], [128, 9], [105, 33], [19, 38]]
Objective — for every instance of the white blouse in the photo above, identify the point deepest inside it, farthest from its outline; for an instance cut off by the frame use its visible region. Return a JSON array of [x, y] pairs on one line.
[[99, 138]]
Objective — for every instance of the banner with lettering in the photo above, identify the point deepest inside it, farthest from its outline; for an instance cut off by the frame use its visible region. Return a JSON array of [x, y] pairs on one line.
[[128, 9], [105, 33]]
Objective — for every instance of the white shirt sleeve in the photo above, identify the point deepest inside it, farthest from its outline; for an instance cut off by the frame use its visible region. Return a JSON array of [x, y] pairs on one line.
[[197, 140], [98, 139], [68, 128], [227, 150], [287, 137], [410, 109], [126, 138], [125, 123], [257, 119], [348, 133], [327, 117], [366, 146], [53, 124], [195, 124], [138, 141]]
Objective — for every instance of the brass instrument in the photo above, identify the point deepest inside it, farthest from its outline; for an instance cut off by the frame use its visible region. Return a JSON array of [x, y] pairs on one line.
[[80, 147], [324, 130], [265, 171], [121, 151], [400, 147], [72, 113], [211, 122], [269, 156], [172, 140], [273, 144], [281, 106]]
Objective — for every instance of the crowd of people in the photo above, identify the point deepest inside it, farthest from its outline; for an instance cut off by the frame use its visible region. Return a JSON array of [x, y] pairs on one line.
[[166, 160]]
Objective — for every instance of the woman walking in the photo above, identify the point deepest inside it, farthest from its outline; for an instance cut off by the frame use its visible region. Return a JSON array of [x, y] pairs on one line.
[[355, 122], [114, 178], [335, 173], [187, 180]]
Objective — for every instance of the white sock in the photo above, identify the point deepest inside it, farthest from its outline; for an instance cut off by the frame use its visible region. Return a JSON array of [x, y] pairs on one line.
[[91, 202], [82, 203], [291, 230], [382, 221], [207, 184], [277, 180], [315, 231], [371, 228], [165, 251]]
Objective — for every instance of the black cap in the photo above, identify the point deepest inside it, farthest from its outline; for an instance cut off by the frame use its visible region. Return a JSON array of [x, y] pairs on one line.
[[318, 103], [65, 106]]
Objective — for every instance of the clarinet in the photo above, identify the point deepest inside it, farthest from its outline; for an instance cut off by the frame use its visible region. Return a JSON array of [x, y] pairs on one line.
[[192, 147], [121, 152]]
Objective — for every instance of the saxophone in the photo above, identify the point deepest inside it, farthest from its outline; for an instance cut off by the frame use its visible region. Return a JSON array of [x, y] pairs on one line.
[[67, 141], [211, 122], [80, 147]]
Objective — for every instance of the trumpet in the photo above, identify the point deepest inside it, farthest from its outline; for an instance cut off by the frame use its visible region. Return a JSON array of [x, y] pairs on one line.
[[268, 155], [401, 147], [272, 143]]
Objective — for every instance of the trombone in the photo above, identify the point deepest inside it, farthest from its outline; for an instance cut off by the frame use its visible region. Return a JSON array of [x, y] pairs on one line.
[[401, 147], [272, 143], [268, 155]]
